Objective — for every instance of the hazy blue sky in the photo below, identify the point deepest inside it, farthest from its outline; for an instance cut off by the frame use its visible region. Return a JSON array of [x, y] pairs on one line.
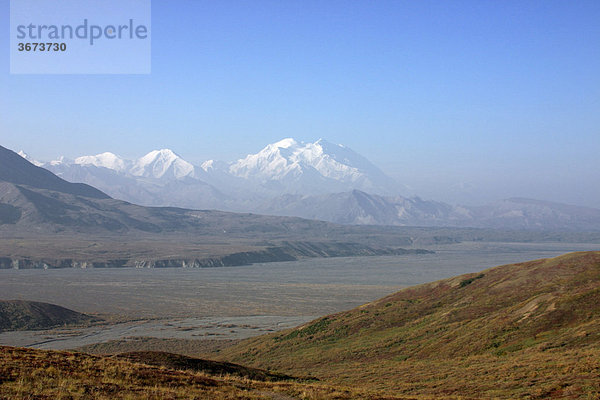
[[463, 101]]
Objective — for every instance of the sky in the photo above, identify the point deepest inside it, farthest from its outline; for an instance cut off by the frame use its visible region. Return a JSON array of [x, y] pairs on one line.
[[461, 101]]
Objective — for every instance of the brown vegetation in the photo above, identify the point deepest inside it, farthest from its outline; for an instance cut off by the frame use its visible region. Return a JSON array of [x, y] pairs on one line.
[[38, 374], [527, 330], [27, 315]]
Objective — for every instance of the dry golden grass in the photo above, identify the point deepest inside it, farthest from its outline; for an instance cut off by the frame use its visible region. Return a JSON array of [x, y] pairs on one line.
[[40, 374]]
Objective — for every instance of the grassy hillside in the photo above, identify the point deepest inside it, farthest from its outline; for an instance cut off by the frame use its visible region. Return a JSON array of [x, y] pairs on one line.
[[39, 374], [180, 362], [527, 330], [25, 315]]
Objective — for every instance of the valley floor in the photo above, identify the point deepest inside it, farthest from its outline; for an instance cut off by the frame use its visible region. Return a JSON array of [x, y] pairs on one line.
[[551, 365], [237, 302]]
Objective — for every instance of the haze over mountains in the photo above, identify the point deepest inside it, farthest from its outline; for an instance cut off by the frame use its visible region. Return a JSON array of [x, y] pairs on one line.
[[317, 180]]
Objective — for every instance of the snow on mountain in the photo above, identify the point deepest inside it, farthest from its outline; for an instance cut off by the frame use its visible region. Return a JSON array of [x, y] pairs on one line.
[[105, 160], [287, 166], [31, 160], [161, 177], [215, 165], [316, 180], [62, 160], [275, 161], [159, 164], [208, 165], [162, 164], [318, 167]]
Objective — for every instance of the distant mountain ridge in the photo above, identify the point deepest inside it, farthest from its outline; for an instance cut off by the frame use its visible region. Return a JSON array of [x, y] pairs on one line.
[[362, 208], [16, 170], [34, 199], [317, 180]]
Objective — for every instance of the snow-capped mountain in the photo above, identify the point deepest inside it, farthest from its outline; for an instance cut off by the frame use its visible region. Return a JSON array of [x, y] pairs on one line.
[[316, 180], [159, 178], [162, 163], [283, 167], [162, 177], [289, 166], [104, 160], [159, 164], [60, 161]]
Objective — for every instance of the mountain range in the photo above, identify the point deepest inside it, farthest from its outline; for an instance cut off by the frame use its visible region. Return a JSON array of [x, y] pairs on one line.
[[47, 222], [317, 180], [32, 198], [357, 207], [162, 177]]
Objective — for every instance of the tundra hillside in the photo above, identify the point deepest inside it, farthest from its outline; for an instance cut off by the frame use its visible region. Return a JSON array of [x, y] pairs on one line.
[[528, 330]]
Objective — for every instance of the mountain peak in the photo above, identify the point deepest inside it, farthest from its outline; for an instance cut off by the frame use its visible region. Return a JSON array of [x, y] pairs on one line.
[[105, 160], [208, 164], [214, 165], [318, 167], [163, 163], [60, 161], [284, 143], [166, 154], [322, 141]]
